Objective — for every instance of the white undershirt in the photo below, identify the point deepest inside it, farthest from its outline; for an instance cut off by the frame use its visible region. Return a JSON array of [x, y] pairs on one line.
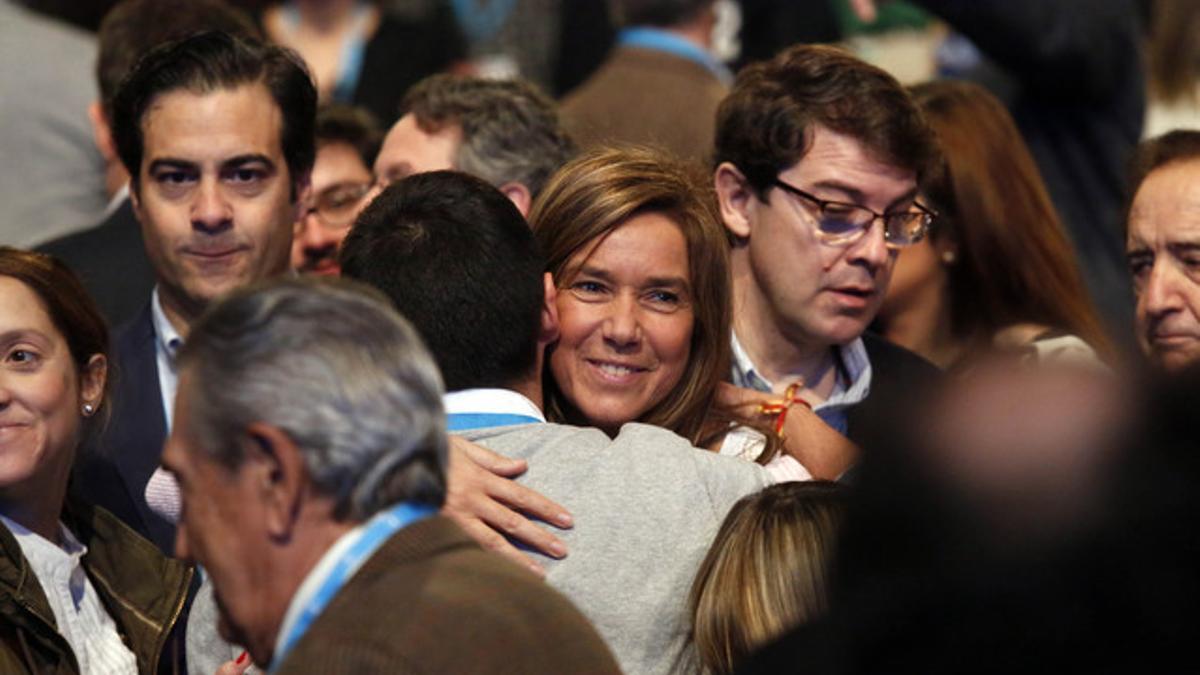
[[77, 608]]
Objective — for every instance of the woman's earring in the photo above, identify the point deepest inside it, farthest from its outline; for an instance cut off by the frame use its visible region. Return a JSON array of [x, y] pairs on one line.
[[88, 409], [949, 257]]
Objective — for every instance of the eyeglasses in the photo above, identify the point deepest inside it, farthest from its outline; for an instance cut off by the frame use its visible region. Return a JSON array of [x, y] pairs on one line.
[[336, 206], [842, 224]]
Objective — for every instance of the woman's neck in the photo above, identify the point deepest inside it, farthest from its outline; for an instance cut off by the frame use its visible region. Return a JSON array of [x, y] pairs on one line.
[[924, 326], [39, 518]]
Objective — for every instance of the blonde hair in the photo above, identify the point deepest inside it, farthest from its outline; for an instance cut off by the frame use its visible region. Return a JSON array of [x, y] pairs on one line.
[[597, 193], [766, 571]]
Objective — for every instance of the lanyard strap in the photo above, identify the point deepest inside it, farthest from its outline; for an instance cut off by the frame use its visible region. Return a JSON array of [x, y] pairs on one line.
[[377, 531], [465, 421]]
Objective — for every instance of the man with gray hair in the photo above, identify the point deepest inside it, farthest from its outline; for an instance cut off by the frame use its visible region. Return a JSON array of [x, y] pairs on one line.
[[310, 446], [503, 131]]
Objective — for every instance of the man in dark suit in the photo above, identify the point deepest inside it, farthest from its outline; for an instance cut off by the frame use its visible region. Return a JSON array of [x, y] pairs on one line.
[[660, 85], [814, 149], [217, 135], [110, 258]]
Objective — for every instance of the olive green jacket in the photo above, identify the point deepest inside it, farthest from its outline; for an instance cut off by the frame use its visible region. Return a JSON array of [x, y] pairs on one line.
[[143, 591]]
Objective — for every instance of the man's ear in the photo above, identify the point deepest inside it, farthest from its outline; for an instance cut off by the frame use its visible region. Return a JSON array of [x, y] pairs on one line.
[[736, 199], [518, 194], [549, 331], [277, 466], [102, 132]]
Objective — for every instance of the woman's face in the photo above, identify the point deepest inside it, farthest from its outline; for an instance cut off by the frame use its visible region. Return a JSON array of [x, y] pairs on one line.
[[626, 321], [40, 395]]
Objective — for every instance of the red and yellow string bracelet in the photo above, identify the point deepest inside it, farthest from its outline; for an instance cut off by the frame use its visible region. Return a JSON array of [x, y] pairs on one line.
[[779, 409]]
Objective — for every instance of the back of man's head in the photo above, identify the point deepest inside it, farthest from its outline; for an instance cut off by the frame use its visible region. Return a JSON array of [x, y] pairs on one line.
[[133, 27], [657, 13], [459, 261], [766, 123], [212, 61], [333, 366], [510, 130]]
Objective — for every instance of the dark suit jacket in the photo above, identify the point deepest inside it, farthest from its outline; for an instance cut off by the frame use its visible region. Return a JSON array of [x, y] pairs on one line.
[[113, 470], [898, 377], [431, 601], [110, 260], [650, 97]]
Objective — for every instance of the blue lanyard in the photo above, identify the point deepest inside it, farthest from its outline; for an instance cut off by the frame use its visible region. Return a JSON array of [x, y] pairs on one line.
[[377, 531], [465, 421], [662, 41]]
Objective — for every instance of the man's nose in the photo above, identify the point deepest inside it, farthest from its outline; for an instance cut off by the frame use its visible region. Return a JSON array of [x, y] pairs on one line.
[[211, 211], [1160, 294], [871, 249]]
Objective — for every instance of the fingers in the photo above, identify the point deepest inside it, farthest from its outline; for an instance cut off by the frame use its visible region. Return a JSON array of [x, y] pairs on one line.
[[462, 449]]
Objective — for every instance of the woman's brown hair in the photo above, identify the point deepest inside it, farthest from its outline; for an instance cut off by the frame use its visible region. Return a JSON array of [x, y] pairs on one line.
[[597, 193], [1014, 263], [70, 308]]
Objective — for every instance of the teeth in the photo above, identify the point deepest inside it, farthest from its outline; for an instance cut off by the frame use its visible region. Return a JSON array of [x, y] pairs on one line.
[[615, 370]]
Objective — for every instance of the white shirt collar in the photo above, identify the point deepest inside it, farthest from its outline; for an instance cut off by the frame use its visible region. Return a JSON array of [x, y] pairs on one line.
[[115, 203], [167, 337], [494, 401], [313, 582]]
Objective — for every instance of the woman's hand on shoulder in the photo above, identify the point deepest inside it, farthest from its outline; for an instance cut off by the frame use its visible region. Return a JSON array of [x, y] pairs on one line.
[[485, 501]]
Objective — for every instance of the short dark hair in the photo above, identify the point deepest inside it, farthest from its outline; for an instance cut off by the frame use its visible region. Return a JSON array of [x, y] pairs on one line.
[[354, 126], [511, 131], [133, 27], [214, 60], [662, 13], [1180, 145], [457, 259], [765, 124]]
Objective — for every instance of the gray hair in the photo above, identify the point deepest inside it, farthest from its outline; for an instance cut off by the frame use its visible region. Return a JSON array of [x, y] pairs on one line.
[[331, 364], [511, 131]]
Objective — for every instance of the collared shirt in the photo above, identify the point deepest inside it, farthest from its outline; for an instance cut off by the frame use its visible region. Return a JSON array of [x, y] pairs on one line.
[[312, 583], [115, 202], [834, 409], [645, 37], [491, 401], [162, 491], [78, 610]]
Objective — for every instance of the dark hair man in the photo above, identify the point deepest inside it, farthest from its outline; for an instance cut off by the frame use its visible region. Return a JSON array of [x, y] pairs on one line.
[[347, 142], [818, 158], [110, 258], [503, 131], [217, 135], [310, 448], [1163, 248], [457, 258]]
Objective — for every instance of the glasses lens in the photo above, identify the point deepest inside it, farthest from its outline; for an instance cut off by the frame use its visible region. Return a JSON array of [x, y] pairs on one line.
[[843, 223], [337, 205], [906, 228]]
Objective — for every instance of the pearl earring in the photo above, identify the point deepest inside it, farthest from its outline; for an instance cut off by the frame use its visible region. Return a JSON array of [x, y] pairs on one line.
[[949, 257], [88, 409]]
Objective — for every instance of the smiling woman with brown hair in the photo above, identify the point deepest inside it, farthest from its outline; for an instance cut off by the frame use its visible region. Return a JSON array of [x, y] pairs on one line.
[[77, 586]]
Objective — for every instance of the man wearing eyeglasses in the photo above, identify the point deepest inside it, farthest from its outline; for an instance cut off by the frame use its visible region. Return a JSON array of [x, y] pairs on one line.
[[347, 142], [818, 159]]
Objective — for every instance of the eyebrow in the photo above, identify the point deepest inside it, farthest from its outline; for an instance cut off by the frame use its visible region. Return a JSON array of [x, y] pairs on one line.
[[858, 196], [242, 160], [23, 334], [673, 282], [170, 163]]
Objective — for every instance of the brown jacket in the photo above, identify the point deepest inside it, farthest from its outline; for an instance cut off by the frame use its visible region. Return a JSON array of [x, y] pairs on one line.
[[143, 591], [650, 97], [431, 601]]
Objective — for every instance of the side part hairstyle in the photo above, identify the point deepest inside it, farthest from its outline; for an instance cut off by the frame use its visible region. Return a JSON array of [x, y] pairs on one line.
[[1181, 145], [766, 123], [766, 572], [511, 131], [457, 259], [71, 310], [332, 365], [599, 192], [208, 62], [133, 27], [1014, 263]]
